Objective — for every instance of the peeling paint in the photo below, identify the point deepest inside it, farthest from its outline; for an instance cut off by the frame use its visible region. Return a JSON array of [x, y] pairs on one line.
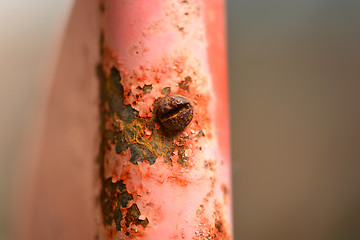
[[132, 217], [114, 196], [185, 84], [166, 91]]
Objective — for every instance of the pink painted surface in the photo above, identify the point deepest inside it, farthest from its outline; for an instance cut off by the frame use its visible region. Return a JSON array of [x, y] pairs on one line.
[[161, 43]]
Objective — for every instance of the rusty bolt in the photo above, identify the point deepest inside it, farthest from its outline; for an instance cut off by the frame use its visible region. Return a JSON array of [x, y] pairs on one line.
[[175, 112]]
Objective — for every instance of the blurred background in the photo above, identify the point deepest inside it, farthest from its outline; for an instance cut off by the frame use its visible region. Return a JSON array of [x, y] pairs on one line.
[[295, 110], [28, 30]]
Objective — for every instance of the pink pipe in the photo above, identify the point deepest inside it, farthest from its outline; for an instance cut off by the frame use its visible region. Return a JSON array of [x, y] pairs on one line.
[[174, 185]]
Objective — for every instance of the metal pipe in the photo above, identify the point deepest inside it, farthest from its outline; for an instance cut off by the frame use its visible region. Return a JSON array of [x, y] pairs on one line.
[[164, 159]]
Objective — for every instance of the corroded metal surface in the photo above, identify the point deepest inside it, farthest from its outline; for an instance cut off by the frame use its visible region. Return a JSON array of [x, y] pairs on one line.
[[175, 112], [161, 178]]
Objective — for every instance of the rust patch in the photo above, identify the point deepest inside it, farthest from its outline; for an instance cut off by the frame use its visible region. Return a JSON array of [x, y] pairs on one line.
[[226, 193], [144, 137], [208, 164], [114, 197], [183, 151], [185, 84], [132, 217], [182, 14], [127, 129], [166, 91], [147, 88], [200, 134], [212, 229]]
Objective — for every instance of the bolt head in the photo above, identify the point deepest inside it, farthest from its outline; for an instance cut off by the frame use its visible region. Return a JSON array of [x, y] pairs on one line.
[[175, 112]]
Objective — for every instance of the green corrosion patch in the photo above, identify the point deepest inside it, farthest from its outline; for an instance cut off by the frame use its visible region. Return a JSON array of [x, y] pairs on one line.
[[140, 135], [114, 197], [116, 99], [132, 217]]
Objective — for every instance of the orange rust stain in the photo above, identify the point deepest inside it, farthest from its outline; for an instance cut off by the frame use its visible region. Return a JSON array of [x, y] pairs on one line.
[[212, 229], [226, 194]]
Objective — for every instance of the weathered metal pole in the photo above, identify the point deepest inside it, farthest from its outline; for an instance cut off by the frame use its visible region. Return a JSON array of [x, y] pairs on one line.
[[164, 157]]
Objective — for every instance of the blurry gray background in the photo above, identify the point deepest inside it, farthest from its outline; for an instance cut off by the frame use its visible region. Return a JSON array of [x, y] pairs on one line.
[[295, 98], [27, 32], [295, 110]]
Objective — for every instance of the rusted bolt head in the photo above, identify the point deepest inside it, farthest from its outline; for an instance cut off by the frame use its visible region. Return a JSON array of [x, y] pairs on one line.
[[175, 112]]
